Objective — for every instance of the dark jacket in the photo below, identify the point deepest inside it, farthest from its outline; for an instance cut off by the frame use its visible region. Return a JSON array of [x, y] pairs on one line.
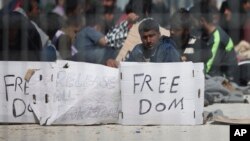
[[164, 51], [23, 43], [196, 50], [223, 61]]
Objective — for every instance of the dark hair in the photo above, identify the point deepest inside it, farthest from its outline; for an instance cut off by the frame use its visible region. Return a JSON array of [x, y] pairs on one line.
[[95, 19], [147, 25], [52, 23], [140, 7], [224, 6], [130, 7], [22, 38], [57, 2], [27, 5], [71, 5], [181, 18], [74, 21], [203, 10], [109, 10], [244, 1], [241, 6]]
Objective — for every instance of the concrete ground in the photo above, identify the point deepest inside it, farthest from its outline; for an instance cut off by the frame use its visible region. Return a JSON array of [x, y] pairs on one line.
[[114, 133], [207, 132]]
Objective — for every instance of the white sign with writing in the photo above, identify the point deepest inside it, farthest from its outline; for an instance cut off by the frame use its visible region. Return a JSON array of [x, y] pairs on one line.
[[17, 93], [199, 88], [86, 94], [43, 88], [161, 93]]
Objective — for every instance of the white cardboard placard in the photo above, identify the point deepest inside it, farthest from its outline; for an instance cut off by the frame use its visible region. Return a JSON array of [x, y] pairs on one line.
[[17, 94], [160, 93], [86, 94]]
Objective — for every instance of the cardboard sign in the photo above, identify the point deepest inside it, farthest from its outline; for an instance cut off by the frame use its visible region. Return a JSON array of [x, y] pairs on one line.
[[58, 93], [199, 91], [17, 93], [43, 88], [85, 94], [161, 93]]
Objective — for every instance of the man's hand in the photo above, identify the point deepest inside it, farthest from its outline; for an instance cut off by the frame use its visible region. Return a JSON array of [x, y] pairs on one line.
[[112, 63], [132, 17]]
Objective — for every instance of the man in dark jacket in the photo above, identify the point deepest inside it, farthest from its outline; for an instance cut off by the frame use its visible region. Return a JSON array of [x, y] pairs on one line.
[[154, 47], [19, 39], [189, 46], [223, 61]]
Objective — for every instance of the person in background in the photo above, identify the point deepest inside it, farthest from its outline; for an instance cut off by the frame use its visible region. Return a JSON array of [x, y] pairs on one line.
[[51, 23], [118, 34], [73, 8], [65, 37], [31, 10], [160, 12], [96, 47], [59, 8], [238, 12], [19, 39], [92, 44], [226, 17], [215, 14], [156, 9], [223, 61], [246, 20], [190, 47], [110, 12]]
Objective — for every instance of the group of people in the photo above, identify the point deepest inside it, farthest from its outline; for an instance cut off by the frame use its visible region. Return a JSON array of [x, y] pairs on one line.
[[81, 34]]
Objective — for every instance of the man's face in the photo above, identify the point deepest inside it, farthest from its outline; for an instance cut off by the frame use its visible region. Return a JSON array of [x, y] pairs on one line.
[[179, 34], [228, 14], [176, 31], [35, 11], [150, 38], [108, 3]]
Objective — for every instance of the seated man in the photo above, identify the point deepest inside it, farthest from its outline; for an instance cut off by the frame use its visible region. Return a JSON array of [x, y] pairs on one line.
[[95, 47], [223, 61], [154, 47], [91, 43], [190, 47]]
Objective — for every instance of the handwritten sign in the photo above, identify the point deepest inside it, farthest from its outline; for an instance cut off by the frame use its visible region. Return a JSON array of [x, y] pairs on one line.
[[43, 89], [160, 93], [59, 93], [17, 94], [199, 89], [86, 94]]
